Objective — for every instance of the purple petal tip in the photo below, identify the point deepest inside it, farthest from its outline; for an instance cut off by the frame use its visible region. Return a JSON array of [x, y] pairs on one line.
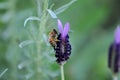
[[60, 26], [66, 30], [117, 34]]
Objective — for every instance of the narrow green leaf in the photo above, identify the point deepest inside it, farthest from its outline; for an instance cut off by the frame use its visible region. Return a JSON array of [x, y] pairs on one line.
[[3, 72], [53, 15], [64, 7], [31, 18], [25, 43]]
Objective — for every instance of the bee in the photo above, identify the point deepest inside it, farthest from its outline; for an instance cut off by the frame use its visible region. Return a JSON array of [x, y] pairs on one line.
[[53, 38]]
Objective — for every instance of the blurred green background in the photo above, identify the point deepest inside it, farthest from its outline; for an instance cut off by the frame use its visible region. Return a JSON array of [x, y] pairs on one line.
[[92, 31]]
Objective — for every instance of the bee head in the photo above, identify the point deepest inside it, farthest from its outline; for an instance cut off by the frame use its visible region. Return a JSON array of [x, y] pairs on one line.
[[54, 30]]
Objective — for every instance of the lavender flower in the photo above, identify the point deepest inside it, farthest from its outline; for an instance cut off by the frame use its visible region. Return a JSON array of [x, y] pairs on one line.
[[63, 47], [114, 52]]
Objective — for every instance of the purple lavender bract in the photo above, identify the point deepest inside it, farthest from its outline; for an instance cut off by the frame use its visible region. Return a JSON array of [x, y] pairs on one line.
[[114, 53], [63, 48]]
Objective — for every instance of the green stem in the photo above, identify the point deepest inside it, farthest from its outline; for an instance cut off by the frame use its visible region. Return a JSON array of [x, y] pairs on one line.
[[62, 72]]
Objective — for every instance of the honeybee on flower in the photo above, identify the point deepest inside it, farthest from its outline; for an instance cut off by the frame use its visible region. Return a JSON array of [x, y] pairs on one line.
[[60, 42], [53, 38]]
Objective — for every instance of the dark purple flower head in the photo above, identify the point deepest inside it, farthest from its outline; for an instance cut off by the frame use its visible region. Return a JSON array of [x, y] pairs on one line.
[[64, 31], [117, 35], [63, 47], [114, 52]]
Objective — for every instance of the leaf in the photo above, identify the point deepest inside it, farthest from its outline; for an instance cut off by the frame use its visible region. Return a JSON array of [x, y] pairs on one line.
[[46, 39], [64, 7], [31, 18], [25, 43], [1, 74], [24, 64], [53, 15]]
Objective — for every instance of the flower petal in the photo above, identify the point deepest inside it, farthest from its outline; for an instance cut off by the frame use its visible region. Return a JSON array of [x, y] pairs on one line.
[[117, 34], [60, 27], [66, 30]]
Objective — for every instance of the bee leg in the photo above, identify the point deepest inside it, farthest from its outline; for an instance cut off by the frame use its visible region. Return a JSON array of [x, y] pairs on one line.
[[55, 46], [57, 40]]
